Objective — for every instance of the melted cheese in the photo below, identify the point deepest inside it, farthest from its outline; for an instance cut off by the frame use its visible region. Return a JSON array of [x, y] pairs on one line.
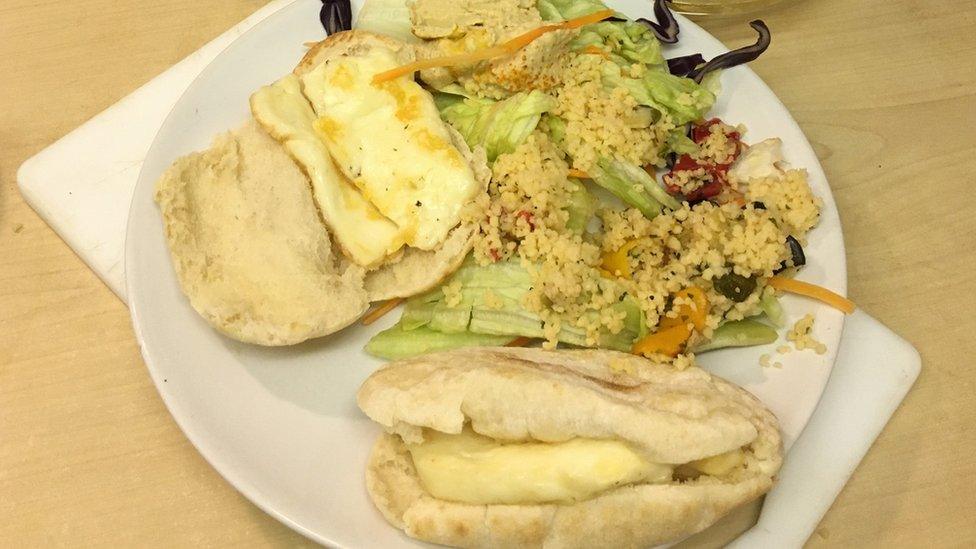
[[365, 235], [390, 141], [720, 465], [471, 468]]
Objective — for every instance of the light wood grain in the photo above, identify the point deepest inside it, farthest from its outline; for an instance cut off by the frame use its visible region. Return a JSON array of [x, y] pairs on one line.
[[883, 88]]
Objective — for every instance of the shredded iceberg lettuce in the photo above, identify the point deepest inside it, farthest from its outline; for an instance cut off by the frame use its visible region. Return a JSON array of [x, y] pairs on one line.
[[633, 186], [490, 306], [396, 342], [387, 17], [682, 98], [625, 41], [560, 10], [498, 126]]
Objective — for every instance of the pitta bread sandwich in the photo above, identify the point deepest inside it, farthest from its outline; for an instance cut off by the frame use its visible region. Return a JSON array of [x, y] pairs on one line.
[[511, 447]]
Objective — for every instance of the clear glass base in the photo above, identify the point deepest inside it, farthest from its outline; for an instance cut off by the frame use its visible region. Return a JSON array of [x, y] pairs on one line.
[[721, 7]]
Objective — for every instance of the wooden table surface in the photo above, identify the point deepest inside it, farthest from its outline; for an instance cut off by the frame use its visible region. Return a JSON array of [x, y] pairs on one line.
[[883, 88]]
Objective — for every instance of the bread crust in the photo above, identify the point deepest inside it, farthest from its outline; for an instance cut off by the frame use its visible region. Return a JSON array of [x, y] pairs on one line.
[[531, 394], [638, 516], [248, 247]]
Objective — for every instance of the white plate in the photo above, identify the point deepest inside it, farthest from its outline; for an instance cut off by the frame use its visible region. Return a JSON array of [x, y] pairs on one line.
[[281, 425]]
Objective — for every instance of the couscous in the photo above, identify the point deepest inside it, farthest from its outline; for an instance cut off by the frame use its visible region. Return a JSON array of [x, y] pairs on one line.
[[800, 336]]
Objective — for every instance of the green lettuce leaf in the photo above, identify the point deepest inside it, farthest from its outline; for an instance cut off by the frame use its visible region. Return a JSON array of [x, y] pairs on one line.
[[713, 82], [444, 101], [494, 276], [682, 98], [499, 126], [773, 310], [555, 127], [387, 17], [609, 175], [738, 333], [637, 175], [438, 326], [560, 10], [678, 142], [626, 41], [581, 208], [396, 342]]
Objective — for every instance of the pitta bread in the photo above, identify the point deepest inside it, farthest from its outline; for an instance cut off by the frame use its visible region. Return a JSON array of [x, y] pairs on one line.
[[532, 394], [248, 246]]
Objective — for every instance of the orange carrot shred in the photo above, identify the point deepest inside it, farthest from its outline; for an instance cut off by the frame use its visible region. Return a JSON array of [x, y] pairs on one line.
[[378, 312], [506, 48], [595, 50], [594, 17], [580, 174], [519, 342], [524, 39], [813, 291]]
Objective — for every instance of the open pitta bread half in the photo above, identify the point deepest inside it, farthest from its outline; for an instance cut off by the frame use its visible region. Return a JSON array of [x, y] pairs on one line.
[[680, 418], [248, 247]]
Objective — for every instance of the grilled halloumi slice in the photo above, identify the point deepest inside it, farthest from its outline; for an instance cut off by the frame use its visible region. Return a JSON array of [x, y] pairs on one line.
[[389, 139], [365, 235]]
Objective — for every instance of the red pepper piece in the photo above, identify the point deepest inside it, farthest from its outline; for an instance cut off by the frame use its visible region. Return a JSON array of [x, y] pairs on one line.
[[700, 132], [685, 163], [706, 191]]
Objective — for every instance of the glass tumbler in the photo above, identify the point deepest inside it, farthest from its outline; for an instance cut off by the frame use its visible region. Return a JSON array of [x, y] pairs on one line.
[[722, 7]]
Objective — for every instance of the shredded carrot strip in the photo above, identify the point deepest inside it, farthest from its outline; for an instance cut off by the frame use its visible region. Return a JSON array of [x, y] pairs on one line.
[[813, 291], [580, 174], [522, 40], [506, 48], [594, 17], [519, 342], [378, 312], [595, 50]]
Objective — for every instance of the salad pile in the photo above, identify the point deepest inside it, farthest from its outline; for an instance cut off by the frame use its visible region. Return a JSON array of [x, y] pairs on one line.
[[620, 214]]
